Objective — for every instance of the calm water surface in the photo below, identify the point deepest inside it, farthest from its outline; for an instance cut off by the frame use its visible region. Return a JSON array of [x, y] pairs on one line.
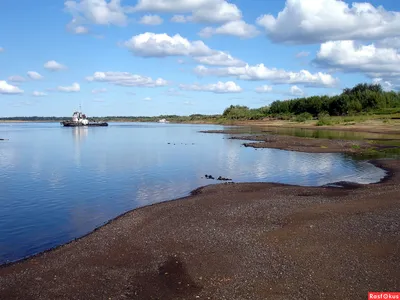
[[60, 183]]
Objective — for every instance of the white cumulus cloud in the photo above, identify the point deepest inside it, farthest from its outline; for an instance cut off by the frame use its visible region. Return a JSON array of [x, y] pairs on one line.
[[386, 84], [261, 72], [318, 21], [9, 89], [75, 87], [161, 45], [147, 99], [180, 19], [16, 78], [237, 28], [296, 91], [38, 94], [34, 75], [219, 87], [75, 27], [202, 11], [264, 89], [151, 20], [52, 65], [349, 56], [126, 79], [389, 43], [219, 58], [81, 30], [100, 12]]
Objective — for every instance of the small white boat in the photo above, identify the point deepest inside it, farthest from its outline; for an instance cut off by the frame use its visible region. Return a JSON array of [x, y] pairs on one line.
[[163, 121]]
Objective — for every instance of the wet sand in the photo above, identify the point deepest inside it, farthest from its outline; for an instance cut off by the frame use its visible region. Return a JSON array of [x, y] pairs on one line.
[[305, 144], [371, 126], [311, 145], [231, 241]]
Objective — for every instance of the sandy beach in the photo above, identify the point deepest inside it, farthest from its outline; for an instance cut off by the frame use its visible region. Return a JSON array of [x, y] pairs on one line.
[[231, 241]]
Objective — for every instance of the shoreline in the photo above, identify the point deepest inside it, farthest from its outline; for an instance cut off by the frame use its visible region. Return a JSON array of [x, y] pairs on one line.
[[197, 191], [365, 147], [342, 185], [194, 246], [369, 126]]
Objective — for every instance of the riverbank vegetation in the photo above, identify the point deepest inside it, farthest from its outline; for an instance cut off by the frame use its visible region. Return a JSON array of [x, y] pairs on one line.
[[362, 102], [358, 104]]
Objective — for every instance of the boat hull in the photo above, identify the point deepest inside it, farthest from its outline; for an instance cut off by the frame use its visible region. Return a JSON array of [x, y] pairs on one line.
[[73, 124]]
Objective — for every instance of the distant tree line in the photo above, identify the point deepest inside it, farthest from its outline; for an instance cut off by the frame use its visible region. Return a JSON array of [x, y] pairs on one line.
[[361, 98], [238, 112], [35, 119], [172, 118]]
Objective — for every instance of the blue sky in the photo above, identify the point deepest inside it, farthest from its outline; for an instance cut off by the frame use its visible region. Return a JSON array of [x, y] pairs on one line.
[[133, 57]]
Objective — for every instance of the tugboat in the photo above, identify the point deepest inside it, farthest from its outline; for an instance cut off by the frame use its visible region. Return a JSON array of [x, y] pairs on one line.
[[79, 119]]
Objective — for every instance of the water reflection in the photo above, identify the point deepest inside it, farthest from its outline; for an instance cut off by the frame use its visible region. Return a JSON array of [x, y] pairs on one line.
[[79, 133], [55, 188], [7, 156]]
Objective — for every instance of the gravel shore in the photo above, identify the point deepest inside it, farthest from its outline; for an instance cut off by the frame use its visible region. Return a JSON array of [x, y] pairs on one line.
[[301, 144], [371, 126], [310, 145], [231, 241]]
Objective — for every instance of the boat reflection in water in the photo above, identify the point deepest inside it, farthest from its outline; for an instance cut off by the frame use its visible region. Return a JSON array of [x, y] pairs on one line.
[[80, 133]]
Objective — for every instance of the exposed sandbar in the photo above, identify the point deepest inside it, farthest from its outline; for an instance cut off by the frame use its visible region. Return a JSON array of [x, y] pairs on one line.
[[311, 145]]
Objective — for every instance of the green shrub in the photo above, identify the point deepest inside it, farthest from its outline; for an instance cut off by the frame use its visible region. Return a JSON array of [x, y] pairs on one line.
[[303, 117], [324, 122], [324, 119], [285, 117]]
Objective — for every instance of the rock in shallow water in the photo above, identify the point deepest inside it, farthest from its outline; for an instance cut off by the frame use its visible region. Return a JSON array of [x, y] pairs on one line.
[[219, 178], [223, 178]]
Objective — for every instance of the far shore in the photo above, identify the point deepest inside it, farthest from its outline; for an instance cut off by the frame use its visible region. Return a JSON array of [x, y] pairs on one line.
[[371, 126], [234, 241]]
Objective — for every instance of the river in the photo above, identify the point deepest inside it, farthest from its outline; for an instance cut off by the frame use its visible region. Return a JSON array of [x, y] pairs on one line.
[[60, 183]]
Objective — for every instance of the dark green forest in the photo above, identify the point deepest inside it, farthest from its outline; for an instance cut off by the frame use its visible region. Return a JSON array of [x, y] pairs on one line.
[[363, 99]]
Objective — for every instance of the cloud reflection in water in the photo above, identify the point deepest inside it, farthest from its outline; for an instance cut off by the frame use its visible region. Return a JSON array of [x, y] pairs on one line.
[[59, 183]]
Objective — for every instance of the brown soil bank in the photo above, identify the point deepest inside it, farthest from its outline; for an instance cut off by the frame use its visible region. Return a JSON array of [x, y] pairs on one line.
[[231, 241], [372, 126], [311, 145]]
